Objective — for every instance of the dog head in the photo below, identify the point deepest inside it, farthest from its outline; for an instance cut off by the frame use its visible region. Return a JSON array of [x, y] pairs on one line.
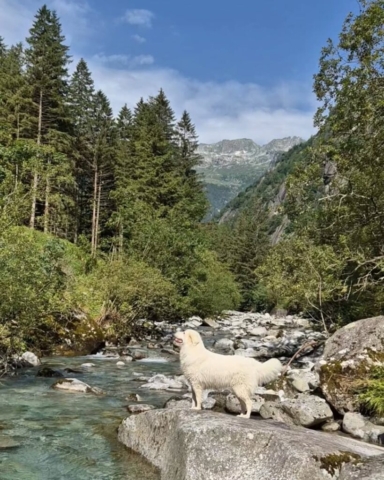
[[189, 338]]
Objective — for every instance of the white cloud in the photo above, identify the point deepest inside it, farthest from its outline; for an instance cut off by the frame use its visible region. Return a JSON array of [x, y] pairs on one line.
[[139, 17], [139, 38], [124, 60], [17, 16], [220, 110]]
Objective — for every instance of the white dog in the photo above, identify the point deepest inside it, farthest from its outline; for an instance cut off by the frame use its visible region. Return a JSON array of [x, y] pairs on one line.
[[207, 370]]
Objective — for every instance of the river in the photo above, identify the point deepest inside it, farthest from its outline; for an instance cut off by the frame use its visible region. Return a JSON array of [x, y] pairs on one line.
[[51, 435]]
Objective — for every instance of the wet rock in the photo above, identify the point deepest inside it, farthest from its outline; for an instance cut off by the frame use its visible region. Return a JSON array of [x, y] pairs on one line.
[[87, 365], [360, 427], [135, 409], [133, 397], [8, 443], [31, 359], [75, 386], [73, 370], [138, 355], [49, 373], [193, 322], [120, 364], [162, 382], [213, 446]]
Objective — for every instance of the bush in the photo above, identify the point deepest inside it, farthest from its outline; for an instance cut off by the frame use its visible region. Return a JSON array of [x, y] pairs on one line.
[[213, 287], [372, 396]]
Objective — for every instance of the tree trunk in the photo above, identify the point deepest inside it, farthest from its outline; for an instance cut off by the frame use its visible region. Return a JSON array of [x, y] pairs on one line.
[[98, 216], [94, 210], [35, 181], [46, 205]]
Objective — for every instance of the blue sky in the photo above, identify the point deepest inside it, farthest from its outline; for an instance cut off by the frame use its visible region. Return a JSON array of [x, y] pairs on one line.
[[242, 69]]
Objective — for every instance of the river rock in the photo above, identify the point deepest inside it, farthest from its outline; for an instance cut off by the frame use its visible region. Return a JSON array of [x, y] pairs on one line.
[[232, 404], [258, 332], [360, 427], [224, 345], [135, 409], [305, 410], [87, 365], [347, 359], [162, 382], [31, 359], [8, 443], [193, 322], [76, 386], [205, 445], [209, 322], [331, 427], [48, 372], [133, 397], [185, 402]]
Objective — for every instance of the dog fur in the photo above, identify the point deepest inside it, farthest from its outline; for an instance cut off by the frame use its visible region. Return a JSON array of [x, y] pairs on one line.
[[207, 370]]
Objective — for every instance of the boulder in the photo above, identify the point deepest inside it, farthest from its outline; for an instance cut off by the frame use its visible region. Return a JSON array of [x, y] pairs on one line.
[[162, 382], [75, 386], [209, 445], [347, 359], [135, 409], [360, 427], [30, 359], [305, 410], [232, 404], [258, 332]]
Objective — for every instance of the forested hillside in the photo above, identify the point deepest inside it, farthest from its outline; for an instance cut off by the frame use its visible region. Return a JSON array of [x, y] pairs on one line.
[[327, 194], [99, 215]]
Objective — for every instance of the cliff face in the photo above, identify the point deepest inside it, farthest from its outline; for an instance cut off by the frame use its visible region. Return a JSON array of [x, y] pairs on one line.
[[230, 166]]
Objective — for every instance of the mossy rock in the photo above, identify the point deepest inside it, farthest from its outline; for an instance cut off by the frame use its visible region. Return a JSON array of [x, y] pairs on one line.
[[84, 337], [333, 462], [349, 358]]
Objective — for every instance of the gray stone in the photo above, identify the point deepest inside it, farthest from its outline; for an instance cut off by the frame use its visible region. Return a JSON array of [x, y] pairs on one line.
[[31, 359], [162, 382], [210, 446], [224, 345], [8, 443], [139, 408], [120, 364], [133, 397], [331, 427], [367, 469], [209, 322], [360, 427], [232, 404], [305, 410], [185, 402], [300, 384], [75, 386], [347, 358], [258, 332]]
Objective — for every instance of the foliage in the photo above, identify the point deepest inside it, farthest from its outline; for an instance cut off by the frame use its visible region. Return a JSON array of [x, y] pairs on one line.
[[372, 396]]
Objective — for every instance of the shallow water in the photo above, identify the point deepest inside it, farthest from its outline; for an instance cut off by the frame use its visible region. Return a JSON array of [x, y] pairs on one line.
[[73, 436]]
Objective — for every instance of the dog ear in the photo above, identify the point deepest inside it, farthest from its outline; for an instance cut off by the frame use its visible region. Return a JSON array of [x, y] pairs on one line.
[[192, 337]]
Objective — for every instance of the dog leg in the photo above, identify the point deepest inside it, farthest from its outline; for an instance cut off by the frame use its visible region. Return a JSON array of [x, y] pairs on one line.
[[245, 401], [198, 391], [194, 403]]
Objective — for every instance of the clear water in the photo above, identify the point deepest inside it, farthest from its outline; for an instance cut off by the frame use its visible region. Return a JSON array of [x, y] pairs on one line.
[[73, 436]]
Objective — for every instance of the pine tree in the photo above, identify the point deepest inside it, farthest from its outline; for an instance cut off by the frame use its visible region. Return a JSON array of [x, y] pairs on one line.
[[47, 60], [81, 102], [103, 140], [194, 201], [14, 102]]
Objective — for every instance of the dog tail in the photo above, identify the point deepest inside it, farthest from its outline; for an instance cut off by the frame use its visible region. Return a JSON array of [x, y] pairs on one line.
[[269, 371]]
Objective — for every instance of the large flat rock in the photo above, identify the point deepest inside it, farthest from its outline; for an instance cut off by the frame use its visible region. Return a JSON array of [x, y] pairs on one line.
[[187, 445]]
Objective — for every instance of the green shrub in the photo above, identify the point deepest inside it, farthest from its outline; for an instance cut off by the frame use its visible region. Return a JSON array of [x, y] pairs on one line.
[[372, 396]]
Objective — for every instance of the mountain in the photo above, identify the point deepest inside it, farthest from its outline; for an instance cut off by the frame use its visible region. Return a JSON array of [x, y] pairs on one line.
[[230, 166], [269, 190]]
